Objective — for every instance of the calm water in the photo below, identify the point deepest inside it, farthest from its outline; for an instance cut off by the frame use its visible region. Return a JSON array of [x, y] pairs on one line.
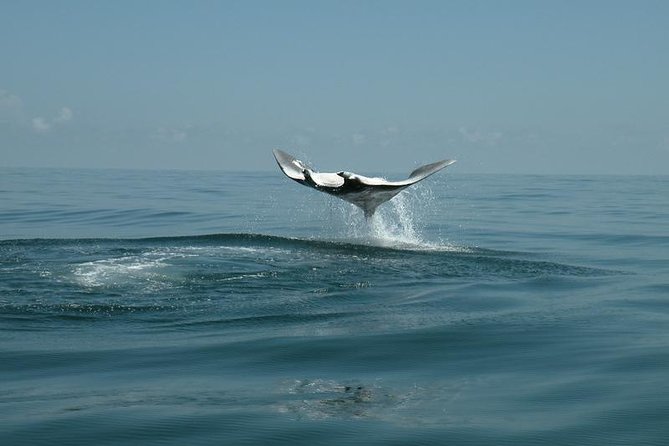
[[226, 308]]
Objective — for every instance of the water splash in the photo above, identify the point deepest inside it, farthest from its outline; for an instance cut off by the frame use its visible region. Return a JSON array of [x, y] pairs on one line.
[[397, 223]]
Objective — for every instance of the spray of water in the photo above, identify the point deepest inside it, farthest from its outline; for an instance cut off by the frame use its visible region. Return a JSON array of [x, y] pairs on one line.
[[397, 223], [400, 223]]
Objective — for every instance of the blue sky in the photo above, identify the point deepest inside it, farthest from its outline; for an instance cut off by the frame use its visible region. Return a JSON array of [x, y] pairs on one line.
[[374, 86]]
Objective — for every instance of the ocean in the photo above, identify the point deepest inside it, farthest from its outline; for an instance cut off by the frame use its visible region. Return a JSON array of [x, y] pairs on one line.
[[197, 308]]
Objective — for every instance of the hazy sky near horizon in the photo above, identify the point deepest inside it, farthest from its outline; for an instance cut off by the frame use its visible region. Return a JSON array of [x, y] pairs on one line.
[[372, 86]]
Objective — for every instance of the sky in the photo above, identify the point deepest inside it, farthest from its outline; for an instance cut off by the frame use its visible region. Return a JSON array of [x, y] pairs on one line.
[[548, 87]]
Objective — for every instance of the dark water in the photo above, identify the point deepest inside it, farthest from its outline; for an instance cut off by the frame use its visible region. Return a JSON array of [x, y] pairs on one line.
[[142, 307]]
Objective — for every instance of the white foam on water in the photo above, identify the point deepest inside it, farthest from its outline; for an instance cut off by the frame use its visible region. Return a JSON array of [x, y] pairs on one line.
[[145, 269], [150, 270], [119, 271]]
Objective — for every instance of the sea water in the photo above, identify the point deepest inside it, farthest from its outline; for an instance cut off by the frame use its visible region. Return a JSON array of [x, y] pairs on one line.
[[175, 307]]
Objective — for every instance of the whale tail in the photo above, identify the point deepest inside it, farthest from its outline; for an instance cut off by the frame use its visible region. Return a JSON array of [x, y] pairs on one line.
[[367, 193]]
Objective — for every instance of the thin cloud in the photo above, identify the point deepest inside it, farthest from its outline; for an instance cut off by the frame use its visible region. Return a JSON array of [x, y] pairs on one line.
[[41, 125], [358, 138], [665, 143], [10, 106], [170, 135], [302, 140], [9, 100], [477, 136], [389, 135], [64, 115]]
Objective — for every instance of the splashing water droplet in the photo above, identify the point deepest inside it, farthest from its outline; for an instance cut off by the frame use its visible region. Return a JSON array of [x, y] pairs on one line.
[[395, 224]]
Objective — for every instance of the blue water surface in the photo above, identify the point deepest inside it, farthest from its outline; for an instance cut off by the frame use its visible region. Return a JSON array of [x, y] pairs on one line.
[[176, 307]]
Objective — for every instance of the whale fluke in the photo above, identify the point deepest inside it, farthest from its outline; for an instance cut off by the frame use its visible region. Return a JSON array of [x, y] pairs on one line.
[[364, 192]]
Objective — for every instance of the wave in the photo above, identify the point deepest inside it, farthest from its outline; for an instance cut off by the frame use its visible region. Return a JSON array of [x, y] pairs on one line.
[[249, 278], [251, 240], [140, 254], [156, 263]]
